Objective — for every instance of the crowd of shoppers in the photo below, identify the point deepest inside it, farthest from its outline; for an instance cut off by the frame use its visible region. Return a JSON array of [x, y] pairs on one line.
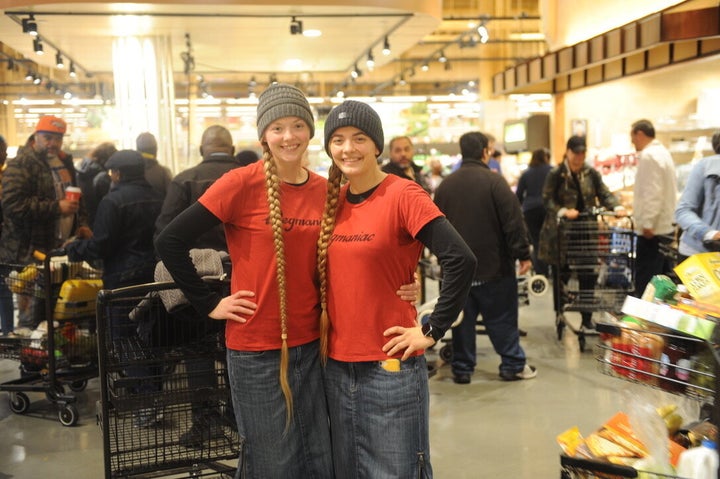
[[324, 349]]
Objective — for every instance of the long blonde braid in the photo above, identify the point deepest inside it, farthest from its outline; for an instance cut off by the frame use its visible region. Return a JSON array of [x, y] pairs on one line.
[[326, 228], [272, 183]]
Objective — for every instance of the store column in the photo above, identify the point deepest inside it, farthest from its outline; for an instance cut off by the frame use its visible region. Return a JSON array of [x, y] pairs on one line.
[[145, 93]]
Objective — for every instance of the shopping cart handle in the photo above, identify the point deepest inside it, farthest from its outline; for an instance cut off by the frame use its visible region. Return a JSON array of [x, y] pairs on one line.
[[58, 252]]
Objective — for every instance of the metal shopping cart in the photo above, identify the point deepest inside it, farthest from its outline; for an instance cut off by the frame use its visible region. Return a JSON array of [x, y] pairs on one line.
[[162, 375], [596, 267], [62, 351]]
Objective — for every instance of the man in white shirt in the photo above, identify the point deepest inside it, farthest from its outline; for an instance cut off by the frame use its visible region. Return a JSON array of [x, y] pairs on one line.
[[654, 198]]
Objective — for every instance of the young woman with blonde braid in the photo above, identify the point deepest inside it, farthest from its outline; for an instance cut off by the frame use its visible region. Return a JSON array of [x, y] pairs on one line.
[[373, 231], [271, 212]]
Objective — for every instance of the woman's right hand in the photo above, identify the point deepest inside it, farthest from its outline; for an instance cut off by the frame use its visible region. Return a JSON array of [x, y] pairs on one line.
[[231, 307]]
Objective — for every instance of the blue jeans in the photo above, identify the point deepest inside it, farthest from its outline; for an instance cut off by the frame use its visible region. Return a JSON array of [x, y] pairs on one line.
[[379, 419], [497, 302], [267, 450]]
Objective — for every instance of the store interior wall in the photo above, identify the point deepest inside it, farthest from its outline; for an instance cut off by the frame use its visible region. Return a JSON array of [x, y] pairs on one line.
[[668, 98], [567, 22]]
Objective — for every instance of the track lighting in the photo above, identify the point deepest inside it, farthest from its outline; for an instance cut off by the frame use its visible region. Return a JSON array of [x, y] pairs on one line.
[[402, 81], [37, 79], [29, 26], [273, 78], [72, 70], [11, 64], [296, 26], [425, 67], [447, 66], [59, 60], [386, 47], [442, 58], [29, 76], [356, 72], [370, 60], [38, 46], [483, 32]]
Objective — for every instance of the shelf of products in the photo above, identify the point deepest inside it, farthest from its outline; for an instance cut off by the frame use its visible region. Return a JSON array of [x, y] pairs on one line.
[[666, 341]]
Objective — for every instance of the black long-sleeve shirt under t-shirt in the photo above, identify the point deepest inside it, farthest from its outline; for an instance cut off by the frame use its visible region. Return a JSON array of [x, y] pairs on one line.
[[439, 236]]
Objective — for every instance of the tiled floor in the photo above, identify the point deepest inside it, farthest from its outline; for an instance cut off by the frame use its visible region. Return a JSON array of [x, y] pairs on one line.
[[487, 429]]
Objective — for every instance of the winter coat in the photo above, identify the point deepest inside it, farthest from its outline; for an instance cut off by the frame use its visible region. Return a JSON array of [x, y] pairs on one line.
[[560, 191], [30, 207]]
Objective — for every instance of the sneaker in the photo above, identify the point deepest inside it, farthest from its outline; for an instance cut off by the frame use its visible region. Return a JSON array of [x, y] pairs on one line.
[[528, 372], [461, 378], [587, 325]]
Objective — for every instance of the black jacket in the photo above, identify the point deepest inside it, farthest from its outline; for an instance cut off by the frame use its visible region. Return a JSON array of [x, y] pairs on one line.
[[420, 177], [123, 234], [483, 209], [187, 187]]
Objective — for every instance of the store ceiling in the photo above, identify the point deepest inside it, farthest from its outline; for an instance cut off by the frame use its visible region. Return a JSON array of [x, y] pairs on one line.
[[232, 44]]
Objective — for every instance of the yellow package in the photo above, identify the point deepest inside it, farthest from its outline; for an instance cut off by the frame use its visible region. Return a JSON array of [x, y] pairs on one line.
[[570, 440], [700, 273], [77, 298]]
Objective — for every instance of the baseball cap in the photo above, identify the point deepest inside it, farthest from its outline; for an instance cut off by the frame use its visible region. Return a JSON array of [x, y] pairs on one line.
[[51, 124], [577, 144]]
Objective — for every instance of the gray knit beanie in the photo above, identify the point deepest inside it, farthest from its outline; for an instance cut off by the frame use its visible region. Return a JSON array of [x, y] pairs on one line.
[[357, 114], [281, 100]]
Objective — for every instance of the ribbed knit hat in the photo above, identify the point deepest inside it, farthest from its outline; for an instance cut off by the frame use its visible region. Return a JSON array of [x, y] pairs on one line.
[[357, 114], [281, 100]]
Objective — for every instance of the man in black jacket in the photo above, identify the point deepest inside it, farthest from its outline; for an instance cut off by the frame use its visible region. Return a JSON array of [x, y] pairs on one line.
[[401, 162], [217, 152], [482, 207]]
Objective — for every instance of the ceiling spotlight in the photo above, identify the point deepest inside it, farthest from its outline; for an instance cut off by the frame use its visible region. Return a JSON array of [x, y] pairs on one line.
[[59, 60], [425, 67], [38, 46], [442, 58], [483, 32], [11, 64], [37, 79], [28, 76], [370, 60], [386, 47], [29, 26], [273, 78], [447, 66], [72, 70], [356, 72], [296, 27], [402, 81]]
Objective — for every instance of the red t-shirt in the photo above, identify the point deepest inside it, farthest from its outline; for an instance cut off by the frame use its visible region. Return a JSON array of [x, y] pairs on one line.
[[239, 199], [372, 253]]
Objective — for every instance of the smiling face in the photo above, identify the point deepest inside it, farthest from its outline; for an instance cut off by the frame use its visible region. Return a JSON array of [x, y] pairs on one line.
[[354, 152], [287, 138]]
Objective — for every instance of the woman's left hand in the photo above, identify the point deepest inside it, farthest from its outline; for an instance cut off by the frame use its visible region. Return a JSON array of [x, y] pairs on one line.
[[409, 339], [410, 292]]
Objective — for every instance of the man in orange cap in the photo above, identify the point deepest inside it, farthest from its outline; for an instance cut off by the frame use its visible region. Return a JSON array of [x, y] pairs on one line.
[[37, 215]]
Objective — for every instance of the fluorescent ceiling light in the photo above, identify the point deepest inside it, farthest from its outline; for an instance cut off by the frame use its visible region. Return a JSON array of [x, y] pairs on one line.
[[527, 36]]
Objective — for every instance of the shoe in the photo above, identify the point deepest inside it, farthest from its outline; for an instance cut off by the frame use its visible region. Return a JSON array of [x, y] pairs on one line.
[[528, 372], [461, 378], [146, 418], [587, 325], [202, 432]]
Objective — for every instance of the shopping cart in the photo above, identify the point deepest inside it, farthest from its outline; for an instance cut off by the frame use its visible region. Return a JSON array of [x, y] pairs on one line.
[[596, 267], [62, 351], [162, 374], [578, 468]]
